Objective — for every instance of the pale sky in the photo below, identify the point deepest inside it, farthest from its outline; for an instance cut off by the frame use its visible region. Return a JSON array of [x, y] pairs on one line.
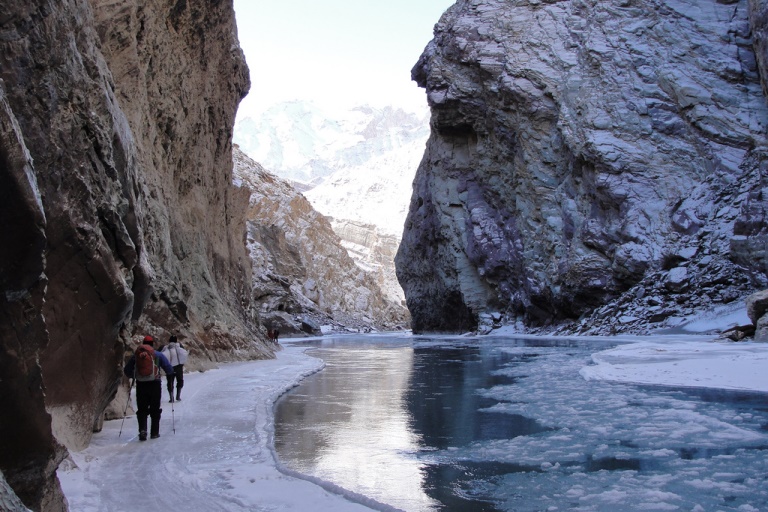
[[337, 53]]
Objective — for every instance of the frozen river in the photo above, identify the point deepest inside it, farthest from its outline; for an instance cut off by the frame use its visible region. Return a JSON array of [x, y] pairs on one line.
[[504, 424]]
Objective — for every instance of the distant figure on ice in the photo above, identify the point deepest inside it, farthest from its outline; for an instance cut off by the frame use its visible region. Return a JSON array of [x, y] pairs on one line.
[[144, 368], [177, 356], [272, 335]]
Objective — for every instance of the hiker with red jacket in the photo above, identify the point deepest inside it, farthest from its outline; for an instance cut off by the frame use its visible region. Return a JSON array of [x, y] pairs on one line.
[[144, 367]]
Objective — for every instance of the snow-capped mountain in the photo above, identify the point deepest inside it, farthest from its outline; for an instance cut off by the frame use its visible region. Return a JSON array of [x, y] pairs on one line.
[[301, 142], [355, 167]]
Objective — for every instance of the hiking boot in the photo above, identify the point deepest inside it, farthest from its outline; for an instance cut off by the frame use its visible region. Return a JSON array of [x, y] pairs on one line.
[[178, 398], [153, 436], [171, 400], [142, 435]]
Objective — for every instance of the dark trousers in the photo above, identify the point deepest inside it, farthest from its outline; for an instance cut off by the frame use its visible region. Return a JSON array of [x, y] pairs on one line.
[[148, 404], [178, 374]]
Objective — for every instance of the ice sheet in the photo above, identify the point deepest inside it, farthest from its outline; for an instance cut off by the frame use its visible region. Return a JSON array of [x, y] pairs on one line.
[[219, 459], [220, 456]]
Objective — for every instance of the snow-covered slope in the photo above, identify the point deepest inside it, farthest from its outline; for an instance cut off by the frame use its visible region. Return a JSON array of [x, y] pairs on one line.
[[302, 276], [376, 192], [356, 168]]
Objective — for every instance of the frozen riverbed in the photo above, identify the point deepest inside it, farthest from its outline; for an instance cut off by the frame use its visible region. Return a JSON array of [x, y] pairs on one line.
[[220, 456], [219, 459], [510, 424]]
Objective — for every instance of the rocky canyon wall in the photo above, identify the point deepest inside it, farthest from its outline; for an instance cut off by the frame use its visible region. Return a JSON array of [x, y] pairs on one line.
[[583, 151], [303, 277], [179, 75], [119, 217], [374, 251], [354, 165]]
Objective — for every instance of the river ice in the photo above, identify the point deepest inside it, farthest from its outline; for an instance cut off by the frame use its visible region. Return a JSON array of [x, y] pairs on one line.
[[219, 458], [670, 451], [622, 447]]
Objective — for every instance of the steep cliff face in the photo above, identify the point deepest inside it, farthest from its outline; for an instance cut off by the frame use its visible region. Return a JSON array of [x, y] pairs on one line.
[[179, 76], [303, 277], [119, 217], [582, 150], [374, 251], [31, 455]]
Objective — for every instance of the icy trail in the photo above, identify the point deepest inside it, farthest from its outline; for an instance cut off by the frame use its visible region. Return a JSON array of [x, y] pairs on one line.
[[219, 459]]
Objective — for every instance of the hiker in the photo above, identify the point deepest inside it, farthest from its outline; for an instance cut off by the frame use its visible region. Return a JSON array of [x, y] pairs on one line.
[[177, 356], [275, 334], [144, 368]]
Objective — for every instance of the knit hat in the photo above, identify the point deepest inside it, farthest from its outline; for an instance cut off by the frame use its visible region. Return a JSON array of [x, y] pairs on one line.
[[148, 340]]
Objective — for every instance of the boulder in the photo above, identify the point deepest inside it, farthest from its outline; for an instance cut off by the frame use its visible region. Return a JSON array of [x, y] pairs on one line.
[[284, 322], [757, 305], [761, 329], [310, 327], [677, 279], [739, 333]]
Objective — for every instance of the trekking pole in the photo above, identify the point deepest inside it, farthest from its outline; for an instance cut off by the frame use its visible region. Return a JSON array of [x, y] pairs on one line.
[[173, 416], [128, 401]]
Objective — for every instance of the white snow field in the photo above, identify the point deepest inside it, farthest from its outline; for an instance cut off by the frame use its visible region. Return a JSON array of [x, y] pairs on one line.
[[676, 361], [220, 457]]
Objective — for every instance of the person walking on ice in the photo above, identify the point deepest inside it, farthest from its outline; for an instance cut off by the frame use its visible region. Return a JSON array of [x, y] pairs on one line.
[[144, 368], [177, 356]]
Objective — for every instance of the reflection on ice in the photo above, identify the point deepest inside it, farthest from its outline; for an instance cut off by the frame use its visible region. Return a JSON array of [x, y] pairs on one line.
[[510, 424], [354, 432]]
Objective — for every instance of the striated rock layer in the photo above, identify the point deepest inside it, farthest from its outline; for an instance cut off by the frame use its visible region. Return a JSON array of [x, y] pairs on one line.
[[303, 277], [374, 251], [119, 217], [584, 151]]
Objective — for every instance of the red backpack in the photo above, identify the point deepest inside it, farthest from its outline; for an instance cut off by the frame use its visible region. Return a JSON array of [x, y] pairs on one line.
[[146, 364]]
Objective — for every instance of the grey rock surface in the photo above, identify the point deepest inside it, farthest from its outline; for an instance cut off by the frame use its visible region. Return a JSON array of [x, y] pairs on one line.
[[119, 215], [8, 499], [757, 305], [583, 152]]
